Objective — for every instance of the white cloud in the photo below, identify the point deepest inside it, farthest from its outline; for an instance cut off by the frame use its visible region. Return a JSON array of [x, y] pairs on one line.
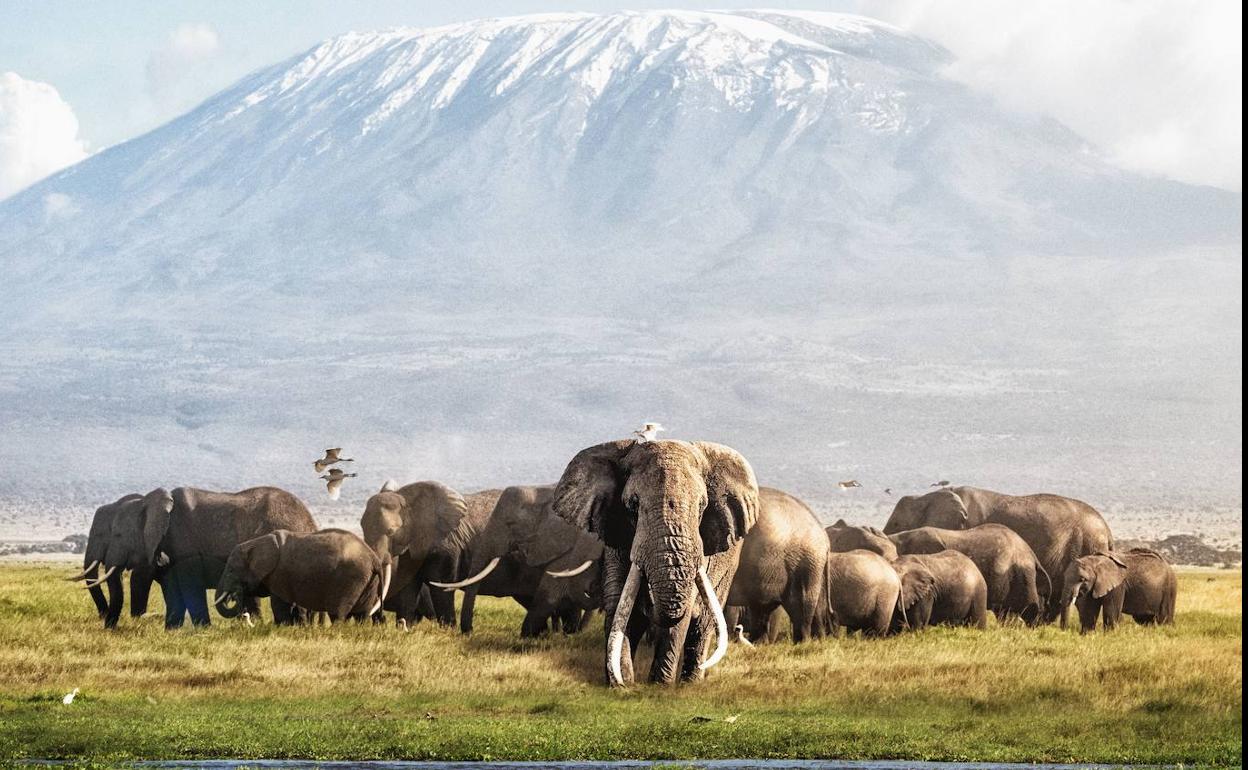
[[38, 133], [1156, 83], [182, 59]]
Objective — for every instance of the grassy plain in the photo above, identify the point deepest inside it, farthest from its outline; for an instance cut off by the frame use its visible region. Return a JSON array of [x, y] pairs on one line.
[[1139, 695]]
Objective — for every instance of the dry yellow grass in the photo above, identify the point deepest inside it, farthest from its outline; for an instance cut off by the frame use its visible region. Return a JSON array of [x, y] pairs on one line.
[[1168, 694]]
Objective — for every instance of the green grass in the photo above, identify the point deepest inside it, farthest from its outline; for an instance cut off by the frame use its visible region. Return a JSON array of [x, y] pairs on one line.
[[1139, 695]]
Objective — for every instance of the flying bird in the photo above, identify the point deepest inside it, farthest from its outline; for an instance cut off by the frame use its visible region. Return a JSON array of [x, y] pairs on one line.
[[69, 697], [888, 490], [851, 484], [941, 483], [332, 457], [649, 433], [333, 481]]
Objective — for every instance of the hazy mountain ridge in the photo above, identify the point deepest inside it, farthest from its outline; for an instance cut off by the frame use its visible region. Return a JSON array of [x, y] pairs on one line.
[[468, 251]]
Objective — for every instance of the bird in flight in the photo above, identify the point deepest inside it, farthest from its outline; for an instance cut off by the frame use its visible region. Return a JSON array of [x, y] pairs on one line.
[[851, 484], [888, 490], [941, 483], [332, 457], [333, 481], [650, 432]]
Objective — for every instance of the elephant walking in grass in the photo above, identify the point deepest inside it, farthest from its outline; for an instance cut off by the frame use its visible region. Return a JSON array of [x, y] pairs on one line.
[[864, 592], [940, 588], [672, 516], [141, 577], [1139, 583], [546, 564], [783, 564], [1058, 529], [331, 571], [188, 534], [421, 532], [1018, 585]]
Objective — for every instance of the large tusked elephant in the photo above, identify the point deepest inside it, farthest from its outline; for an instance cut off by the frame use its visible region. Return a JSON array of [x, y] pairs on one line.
[[671, 515], [141, 577], [1018, 585], [546, 564], [783, 563], [421, 531], [1058, 529], [189, 534]]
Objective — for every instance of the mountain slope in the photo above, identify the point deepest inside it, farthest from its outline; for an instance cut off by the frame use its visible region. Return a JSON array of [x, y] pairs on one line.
[[474, 249]]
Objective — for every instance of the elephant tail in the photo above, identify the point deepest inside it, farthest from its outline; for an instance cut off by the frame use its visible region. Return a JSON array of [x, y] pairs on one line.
[[1041, 572]]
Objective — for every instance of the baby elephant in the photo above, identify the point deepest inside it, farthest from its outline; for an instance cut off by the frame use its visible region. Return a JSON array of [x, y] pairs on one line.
[[331, 571], [938, 588], [1140, 583]]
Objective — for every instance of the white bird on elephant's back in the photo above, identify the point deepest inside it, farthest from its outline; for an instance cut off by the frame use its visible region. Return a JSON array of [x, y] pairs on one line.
[[333, 481], [649, 433]]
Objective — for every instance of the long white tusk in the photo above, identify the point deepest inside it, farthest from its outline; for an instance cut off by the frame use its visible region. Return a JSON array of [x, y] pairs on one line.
[[222, 598], [373, 611], [385, 583], [477, 578], [87, 570], [101, 578], [567, 573], [623, 609], [721, 626]]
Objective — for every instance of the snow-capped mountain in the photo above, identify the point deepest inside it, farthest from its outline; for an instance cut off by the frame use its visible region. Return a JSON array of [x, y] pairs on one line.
[[475, 248]]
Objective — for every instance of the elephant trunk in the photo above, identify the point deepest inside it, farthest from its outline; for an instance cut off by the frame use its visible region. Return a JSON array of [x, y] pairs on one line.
[[671, 564], [228, 604]]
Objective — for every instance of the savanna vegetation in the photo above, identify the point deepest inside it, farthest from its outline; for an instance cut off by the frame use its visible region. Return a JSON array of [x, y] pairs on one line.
[[1138, 695]]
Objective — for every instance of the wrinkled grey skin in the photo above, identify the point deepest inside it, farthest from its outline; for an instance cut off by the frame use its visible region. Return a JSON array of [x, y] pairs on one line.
[[1058, 529], [842, 537], [864, 592], [423, 530], [141, 577], [783, 562], [1139, 583], [331, 571], [196, 530], [529, 541], [1018, 586], [668, 508], [941, 588]]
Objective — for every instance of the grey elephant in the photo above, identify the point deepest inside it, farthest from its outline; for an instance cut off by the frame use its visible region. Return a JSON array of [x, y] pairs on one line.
[[331, 571], [1139, 583], [842, 537], [421, 531], [188, 534], [1058, 529], [141, 577], [864, 592], [783, 564], [672, 516], [1018, 585], [944, 588], [546, 564]]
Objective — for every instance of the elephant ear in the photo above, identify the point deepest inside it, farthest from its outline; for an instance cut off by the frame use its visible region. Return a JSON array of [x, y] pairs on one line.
[[731, 498], [950, 499], [262, 554], [553, 538], [919, 584], [446, 506], [1108, 575], [157, 512], [588, 493]]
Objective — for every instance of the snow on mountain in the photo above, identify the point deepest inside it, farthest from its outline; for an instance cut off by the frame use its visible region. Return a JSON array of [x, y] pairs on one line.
[[472, 249]]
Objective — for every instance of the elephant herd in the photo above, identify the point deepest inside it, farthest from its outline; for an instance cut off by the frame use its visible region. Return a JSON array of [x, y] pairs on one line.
[[673, 541]]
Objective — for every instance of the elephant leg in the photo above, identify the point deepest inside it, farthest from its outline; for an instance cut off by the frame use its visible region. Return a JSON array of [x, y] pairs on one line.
[[424, 602], [1111, 608], [668, 645], [284, 613], [116, 599], [196, 600], [140, 590], [700, 631], [175, 609], [443, 606], [1088, 609], [534, 624], [97, 596], [799, 618], [468, 611]]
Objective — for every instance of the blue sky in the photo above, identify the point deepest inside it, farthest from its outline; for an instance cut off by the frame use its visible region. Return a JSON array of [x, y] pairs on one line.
[[1156, 83]]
